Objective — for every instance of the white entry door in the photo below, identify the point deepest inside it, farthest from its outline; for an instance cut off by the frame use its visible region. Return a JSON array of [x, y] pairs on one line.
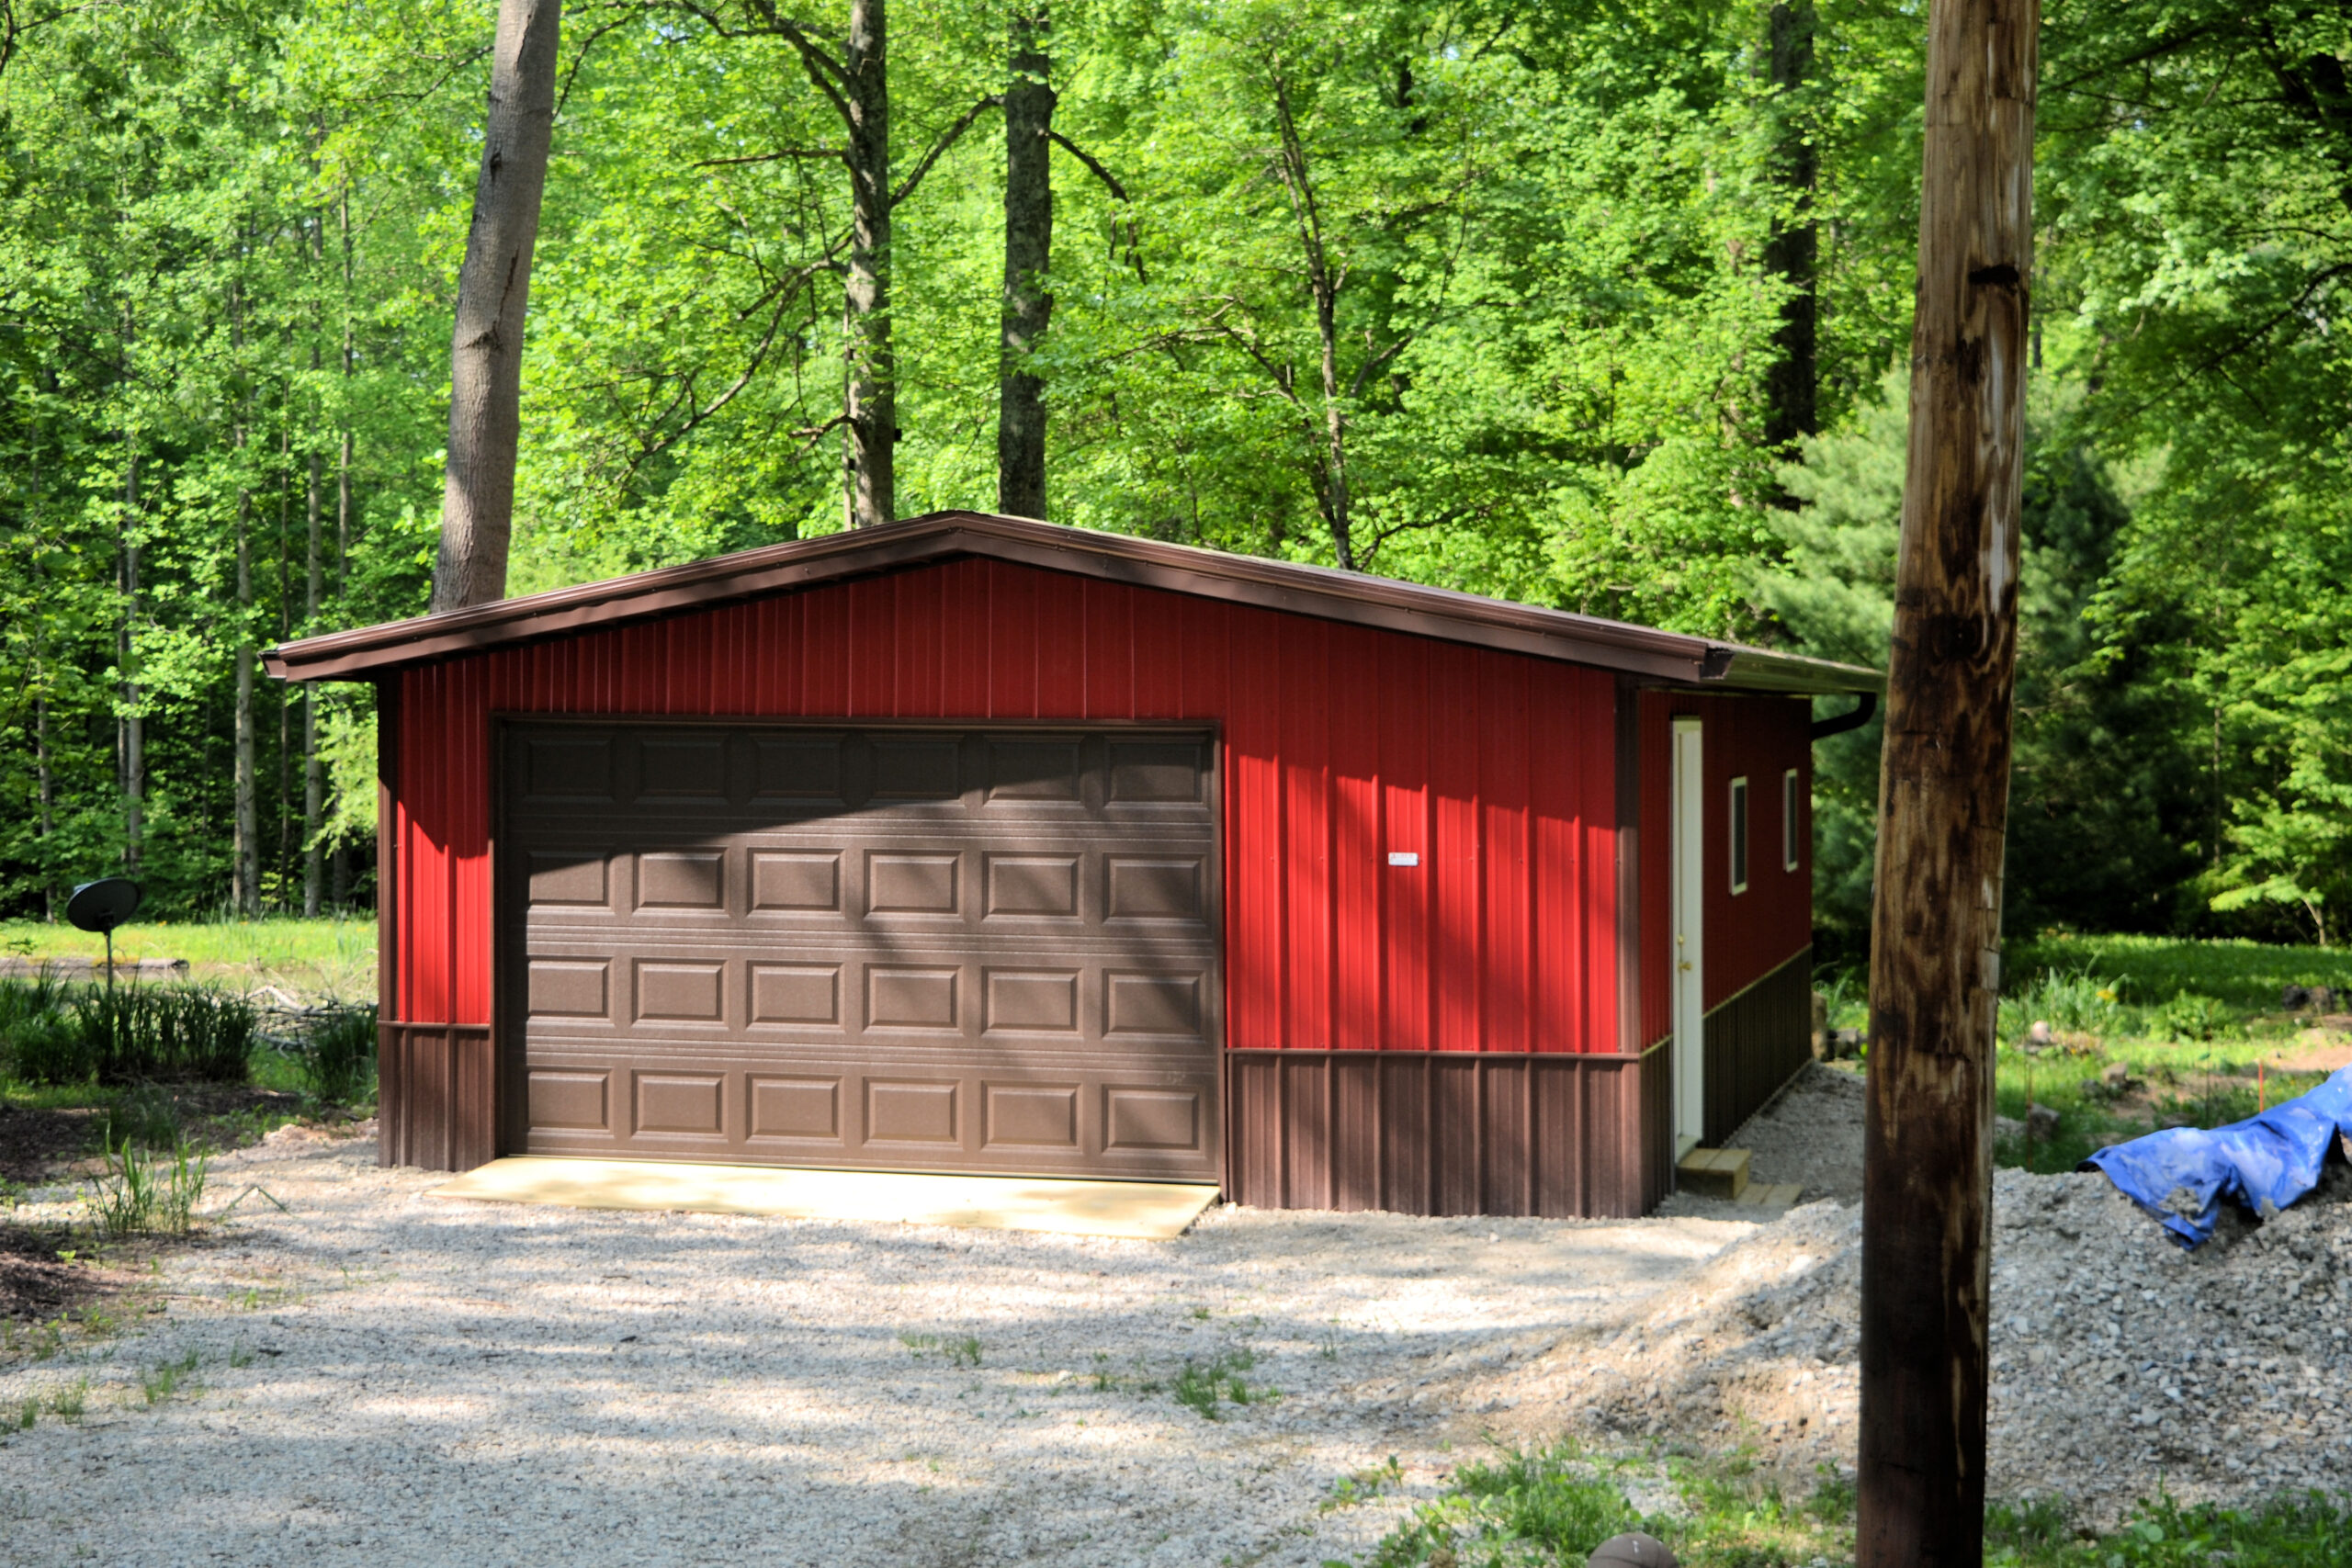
[[1687, 863]]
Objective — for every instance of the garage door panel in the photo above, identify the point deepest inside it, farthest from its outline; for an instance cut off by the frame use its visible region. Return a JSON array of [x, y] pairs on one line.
[[568, 989], [805, 770], [677, 768], [569, 1100], [805, 995], [1153, 1118], [1031, 1001], [680, 991], [907, 996], [913, 882], [1040, 1116], [797, 881], [1157, 772], [802, 1110], [902, 1110], [1155, 888], [672, 1102], [1021, 769], [916, 950], [917, 769], [681, 879], [1152, 1002], [566, 767], [1038, 883], [573, 878]]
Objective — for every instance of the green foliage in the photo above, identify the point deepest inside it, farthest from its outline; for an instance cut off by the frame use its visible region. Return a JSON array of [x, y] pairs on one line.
[[174, 1033], [338, 1055], [144, 1190], [1527, 1507], [2094, 763], [2312, 1531], [126, 1034], [2248, 976], [1468, 296], [2076, 1000]]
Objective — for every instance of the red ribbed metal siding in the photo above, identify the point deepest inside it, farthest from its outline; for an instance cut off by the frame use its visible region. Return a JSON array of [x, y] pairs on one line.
[[1341, 745], [1750, 934]]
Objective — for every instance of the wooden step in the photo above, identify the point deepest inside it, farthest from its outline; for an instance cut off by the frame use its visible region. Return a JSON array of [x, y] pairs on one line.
[[1773, 1195], [1713, 1173]]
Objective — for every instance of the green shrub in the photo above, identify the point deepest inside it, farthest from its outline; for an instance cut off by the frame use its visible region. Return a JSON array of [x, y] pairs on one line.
[[37, 1038], [51, 1047], [2190, 1016], [172, 1034], [338, 1055], [2074, 999]]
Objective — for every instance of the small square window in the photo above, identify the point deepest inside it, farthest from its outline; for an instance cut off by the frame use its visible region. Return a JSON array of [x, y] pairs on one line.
[[1791, 822], [1739, 835]]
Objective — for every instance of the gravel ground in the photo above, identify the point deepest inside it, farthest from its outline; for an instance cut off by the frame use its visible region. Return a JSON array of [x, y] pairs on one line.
[[2120, 1363], [1808, 1135], [378, 1377]]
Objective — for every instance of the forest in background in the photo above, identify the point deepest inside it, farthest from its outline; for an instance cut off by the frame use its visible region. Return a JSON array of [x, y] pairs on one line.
[[1602, 306]]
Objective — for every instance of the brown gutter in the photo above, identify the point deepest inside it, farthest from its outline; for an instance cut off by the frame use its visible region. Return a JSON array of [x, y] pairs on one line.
[[1323, 591]]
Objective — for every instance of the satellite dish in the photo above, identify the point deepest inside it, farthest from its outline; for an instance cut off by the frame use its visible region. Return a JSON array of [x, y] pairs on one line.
[[103, 904]]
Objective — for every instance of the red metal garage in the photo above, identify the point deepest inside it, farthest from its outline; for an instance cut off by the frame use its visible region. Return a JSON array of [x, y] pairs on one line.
[[970, 843]]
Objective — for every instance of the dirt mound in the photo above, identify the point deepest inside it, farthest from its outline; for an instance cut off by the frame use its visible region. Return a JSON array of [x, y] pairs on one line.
[[2120, 1362]]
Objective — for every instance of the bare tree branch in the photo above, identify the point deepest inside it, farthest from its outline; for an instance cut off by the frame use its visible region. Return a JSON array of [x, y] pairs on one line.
[[922, 166], [811, 153]]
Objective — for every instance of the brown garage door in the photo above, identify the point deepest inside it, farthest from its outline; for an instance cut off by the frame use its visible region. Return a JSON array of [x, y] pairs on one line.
[[913, 949]]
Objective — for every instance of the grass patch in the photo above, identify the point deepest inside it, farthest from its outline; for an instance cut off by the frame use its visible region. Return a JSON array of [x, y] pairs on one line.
[[2311, 1531], [2145, 1033], [1200, 1385], [330, 958], [167, 1378], [1520, 1510], [145, 1189], [1362, 1486], [2247, 977], [963, 1351], [1550, 1508]]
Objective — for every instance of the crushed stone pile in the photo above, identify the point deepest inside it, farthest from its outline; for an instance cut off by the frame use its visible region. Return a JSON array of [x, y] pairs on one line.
[[2120, 1362]]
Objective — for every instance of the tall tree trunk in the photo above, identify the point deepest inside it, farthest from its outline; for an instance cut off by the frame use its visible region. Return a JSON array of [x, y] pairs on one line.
[[47, 788], [315, 585], [871, 408], [493, 287], [132, 733], [340, 887], [244, 890], [1943, 806], [284, 858], [1028, 252], [1332, 480], [244, 877], [1791, 387], [44, 786]]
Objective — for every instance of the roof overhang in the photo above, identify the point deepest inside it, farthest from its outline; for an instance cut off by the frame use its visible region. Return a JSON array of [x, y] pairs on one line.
[[1666, 658]]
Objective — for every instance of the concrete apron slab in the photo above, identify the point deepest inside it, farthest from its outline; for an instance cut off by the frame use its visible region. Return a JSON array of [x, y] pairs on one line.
[[1149, 1210]]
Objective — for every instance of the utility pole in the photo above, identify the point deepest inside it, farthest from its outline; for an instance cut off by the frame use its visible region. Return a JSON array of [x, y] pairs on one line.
[[1943, 805]]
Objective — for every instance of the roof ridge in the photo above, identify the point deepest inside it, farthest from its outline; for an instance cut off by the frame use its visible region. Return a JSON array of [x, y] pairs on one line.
[[1327, 592]]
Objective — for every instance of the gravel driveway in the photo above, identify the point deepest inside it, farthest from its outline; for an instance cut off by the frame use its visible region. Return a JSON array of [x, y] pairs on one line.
[[381, 1378]]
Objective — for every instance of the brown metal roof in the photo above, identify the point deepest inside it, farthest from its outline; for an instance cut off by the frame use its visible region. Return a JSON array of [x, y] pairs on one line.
[[1322, 591]]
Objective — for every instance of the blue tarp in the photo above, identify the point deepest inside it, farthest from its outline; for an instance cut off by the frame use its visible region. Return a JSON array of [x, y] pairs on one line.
[[2266, 1162]]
